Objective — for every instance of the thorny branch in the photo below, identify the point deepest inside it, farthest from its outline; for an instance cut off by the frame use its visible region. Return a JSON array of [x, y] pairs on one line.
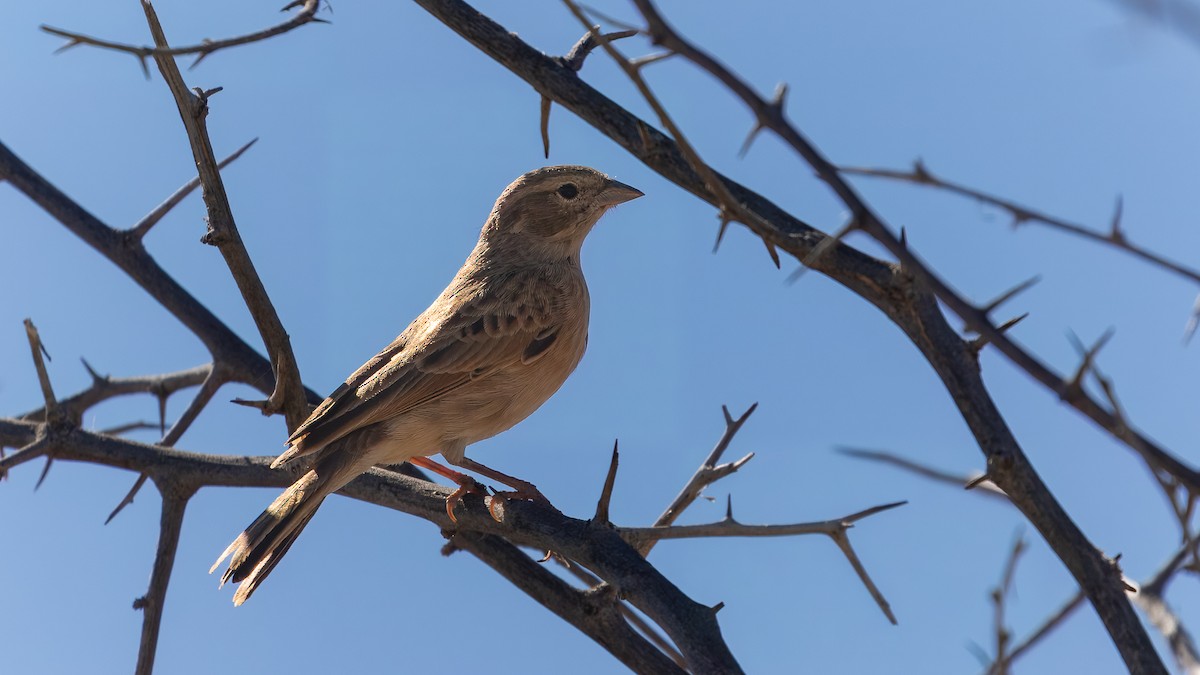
[[902, 293], [307, 14], [288, 396]]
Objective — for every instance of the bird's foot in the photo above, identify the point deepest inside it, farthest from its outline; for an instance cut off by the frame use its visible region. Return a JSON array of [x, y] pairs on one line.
[[466, 486], [523, 491]]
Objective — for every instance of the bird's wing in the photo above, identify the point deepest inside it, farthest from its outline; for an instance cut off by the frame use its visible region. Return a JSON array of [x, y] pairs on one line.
[[439, 353]]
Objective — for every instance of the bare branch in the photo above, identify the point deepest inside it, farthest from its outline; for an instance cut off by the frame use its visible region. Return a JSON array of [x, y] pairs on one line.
[[835, 529], [957, 480], [142, 227], [175, 498], [288, 396], [708, 473], [307, 14], [1115, 237]]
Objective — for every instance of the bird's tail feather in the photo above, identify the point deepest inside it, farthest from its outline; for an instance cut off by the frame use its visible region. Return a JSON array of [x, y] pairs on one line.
[[259, 548]]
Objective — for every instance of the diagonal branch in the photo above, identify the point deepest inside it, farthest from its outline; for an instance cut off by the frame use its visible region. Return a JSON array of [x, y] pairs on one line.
[[142, 227], [288, 396], [1021, 214]]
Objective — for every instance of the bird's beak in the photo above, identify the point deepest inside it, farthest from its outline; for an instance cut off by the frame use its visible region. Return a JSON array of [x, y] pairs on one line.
[[616, 192]]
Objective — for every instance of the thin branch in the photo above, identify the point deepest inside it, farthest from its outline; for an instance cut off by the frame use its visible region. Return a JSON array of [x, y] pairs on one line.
[[708, 473], [835, 529], [142, 227], [288, 396], [307, 14], [924, 470], [174, 502], [1021, 214], [104, 387]]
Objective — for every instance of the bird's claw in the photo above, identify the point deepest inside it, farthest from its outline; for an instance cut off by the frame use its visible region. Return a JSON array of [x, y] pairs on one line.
[[526, 492], [466, 486]]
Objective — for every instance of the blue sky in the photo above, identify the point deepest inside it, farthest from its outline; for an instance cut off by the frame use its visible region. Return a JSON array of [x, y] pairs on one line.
[[385, 138]]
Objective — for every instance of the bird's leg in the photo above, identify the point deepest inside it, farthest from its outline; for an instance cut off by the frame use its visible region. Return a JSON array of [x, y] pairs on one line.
[[466, 484], [521, 489]]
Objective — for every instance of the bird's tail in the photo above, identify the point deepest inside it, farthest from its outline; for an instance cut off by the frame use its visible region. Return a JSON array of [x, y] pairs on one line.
[[258, 549]]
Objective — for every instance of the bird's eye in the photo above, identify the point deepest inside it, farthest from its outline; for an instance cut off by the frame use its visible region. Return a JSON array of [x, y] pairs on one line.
[[568, 191]]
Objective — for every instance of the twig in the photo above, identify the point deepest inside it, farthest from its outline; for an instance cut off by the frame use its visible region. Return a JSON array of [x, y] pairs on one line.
[[574, 61], [1021, 214], [288, 396], [142, 227], [307, 14], [708, 473], [835, 529], [104, 388], [957, 480]]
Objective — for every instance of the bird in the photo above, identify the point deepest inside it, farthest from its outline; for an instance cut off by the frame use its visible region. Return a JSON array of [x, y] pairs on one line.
[[492, 348]]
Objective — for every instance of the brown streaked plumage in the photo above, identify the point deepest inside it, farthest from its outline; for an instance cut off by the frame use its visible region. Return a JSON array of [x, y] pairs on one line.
[[498, 342]]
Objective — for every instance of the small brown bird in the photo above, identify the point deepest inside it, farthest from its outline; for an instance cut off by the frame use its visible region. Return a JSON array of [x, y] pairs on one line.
[[498, 342]]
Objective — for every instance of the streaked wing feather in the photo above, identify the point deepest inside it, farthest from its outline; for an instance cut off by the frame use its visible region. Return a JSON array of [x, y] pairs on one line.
[[484, 335]]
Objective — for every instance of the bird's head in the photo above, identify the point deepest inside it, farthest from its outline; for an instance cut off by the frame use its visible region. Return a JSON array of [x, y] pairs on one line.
[[550, 211]]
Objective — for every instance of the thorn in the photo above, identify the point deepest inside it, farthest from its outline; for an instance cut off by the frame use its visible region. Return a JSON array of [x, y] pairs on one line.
[[549, 554], [199, 57], [729, 507], [920, 172], [96, 377], [772, 252], [980, 342], [1010, 293], [128, 498], [726, 219], [1088, 356], [717, 607], [610, 480], [545, 125], [976, 482], [903, 238], [754, 132], [779, 97], [206, 94], [162, 413], [1115, 233], [74, 42], [318, 20], [728, 417], [642, 61], [145, 66], [45, 471]]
